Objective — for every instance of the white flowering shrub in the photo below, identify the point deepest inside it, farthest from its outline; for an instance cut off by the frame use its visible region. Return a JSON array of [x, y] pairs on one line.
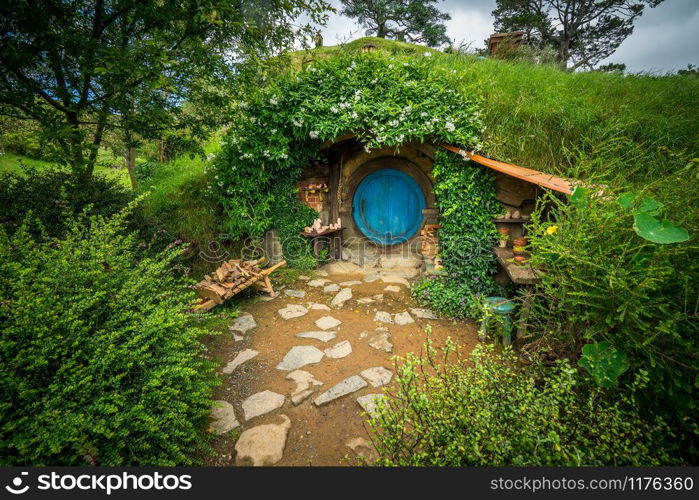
[[384, 100]]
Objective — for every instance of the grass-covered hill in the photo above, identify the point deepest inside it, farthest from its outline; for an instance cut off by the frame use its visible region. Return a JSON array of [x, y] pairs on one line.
[[607, 128]]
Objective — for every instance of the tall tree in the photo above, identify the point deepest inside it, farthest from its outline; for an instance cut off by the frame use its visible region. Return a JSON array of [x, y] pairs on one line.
[[79, 67], [417, 21], [584, 32]]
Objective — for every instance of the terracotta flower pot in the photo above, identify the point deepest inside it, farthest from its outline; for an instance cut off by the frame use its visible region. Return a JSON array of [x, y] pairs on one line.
[[521, 259], [504, 230], [520, 242]]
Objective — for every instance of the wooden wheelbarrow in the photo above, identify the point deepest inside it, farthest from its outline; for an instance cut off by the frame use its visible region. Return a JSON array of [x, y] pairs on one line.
[[231, 278]]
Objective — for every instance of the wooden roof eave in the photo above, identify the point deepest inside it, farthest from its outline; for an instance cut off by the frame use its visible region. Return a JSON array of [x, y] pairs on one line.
[[548, 181], [526, 174]]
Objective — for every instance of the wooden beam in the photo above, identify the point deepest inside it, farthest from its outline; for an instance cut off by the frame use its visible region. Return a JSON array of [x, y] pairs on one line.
[[526, 174], [270, 270]]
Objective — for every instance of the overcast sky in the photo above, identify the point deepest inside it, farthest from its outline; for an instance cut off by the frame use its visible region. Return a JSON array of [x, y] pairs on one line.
[[665, 38]]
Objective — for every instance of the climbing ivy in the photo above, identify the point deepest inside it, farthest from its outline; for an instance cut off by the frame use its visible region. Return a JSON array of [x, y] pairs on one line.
[[385, 100], [465, 196]]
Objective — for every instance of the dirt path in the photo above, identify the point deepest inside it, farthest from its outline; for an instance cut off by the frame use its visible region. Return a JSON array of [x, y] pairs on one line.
[[319, 434]]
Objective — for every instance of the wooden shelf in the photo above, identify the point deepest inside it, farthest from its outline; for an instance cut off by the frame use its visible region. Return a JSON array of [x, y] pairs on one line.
[[321, 233], [519, 274], [513, 221]]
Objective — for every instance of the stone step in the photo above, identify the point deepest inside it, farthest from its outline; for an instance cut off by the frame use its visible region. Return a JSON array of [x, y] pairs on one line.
[[347, 386]]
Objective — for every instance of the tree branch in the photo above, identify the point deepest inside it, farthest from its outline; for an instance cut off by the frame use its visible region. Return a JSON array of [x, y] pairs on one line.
[[33, 87]]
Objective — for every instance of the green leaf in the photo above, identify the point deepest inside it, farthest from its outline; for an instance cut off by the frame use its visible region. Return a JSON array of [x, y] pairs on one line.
[[646, 204], [604, 362], [580, 196], [650, 206], [626, 200], [658, 231]]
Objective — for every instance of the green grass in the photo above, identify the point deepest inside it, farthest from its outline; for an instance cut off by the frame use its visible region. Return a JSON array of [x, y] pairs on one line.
[[358, 45], [11, 162], [176, 199], [600, 127], [547, 119], [175, 195]]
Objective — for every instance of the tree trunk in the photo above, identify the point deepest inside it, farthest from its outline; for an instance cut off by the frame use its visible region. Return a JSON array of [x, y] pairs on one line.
[[564, 51], [130, 161], [381, 30], [75, 147], [96, 142]]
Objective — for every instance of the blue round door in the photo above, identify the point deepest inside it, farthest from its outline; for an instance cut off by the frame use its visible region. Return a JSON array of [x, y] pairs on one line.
[[387, 206]]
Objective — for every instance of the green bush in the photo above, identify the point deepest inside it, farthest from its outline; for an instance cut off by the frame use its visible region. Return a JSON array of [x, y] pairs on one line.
[[492, 413], [22, 137], [145, 170], [99, 362], [465, 196], [53, 193], [605, 284]]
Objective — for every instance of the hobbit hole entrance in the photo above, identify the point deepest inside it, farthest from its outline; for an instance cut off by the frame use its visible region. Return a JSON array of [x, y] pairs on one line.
[[384, 199]]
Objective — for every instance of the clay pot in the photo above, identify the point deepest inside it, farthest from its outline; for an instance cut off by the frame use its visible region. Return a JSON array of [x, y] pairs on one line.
[[521, 259], [504, 230], [503, 243], [520, 242]]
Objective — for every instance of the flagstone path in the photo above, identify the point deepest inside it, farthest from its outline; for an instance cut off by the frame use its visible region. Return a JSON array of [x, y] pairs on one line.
[[301, 372]]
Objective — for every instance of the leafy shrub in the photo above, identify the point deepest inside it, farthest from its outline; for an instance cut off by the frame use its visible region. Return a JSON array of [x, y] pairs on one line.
[[51, 194], [492, 413], [465, 196], [98, 360], [604, 284], [145, 170], [22, 137], [449, 297]]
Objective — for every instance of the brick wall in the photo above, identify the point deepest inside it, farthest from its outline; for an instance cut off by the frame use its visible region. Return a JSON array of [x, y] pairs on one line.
[[313, 191], [429, 240]]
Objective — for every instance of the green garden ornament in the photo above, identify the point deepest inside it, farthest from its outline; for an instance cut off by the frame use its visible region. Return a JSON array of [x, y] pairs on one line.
[[503, 308]]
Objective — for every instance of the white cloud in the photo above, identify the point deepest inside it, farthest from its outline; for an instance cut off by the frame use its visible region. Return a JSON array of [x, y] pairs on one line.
[[664, 39], [340, 29], [470, 25]]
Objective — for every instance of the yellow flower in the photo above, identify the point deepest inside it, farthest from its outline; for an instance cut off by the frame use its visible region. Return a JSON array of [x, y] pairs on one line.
[[551, 229]]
